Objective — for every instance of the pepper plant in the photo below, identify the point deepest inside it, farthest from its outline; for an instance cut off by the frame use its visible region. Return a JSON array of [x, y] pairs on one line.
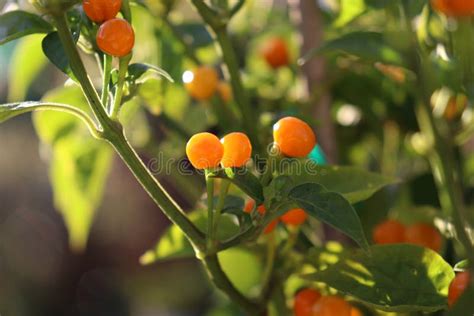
[[277, 197]]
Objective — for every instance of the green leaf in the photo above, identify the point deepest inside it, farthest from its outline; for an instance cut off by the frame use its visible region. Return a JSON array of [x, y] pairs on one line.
[[328, 254], [243, 268], [16, 24], [277, 190], [243, 179], [195, 34], [79, 165], [79, 170], [370, 46], [53, 49], [136, 71], [461, 266], [10, 110], [393, 278], [464, 305], [173, 244], [232, 204], [353, 183], [53, 126], [21, 73], [331, 208], [350, 9]]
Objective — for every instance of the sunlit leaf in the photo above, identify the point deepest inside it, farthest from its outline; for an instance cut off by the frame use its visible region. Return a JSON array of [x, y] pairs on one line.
[[79, 164], [21, 73], [79, 170], [243, 268], [350, 9], [54, 125], [173, 244], [461, 266], [394, 278]]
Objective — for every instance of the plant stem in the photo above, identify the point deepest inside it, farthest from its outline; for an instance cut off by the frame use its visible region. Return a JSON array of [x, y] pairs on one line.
[[225, 185], [220, 4], [80, 72], [269, 265], [441, 157], [156, 191], [113, 132], [209, 15], [219, 278], [279, 300], [123, 67], [210, 208], [291, 241], [236, 8], [463, 47], [239, 92], [255, 231], [269, 168], [219, 26], [127, 13], [106, 79], [449, 188]]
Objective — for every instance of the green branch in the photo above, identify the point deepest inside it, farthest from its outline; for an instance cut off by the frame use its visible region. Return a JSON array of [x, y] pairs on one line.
[[106, 79], [157, 192], [113, 132], [240, 94], [441, 155], [80, 71], [441, 159], [210, 208], [219, 278], [236, 8], [123, 68], [225, 184], [127, 13], [219, 25], [210, 16]]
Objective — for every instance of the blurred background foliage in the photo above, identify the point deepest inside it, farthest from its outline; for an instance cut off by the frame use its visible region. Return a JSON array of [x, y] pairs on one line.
[[106, 213]]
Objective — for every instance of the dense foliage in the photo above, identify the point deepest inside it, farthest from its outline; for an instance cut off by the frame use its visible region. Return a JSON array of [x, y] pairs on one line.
[[334, 183]]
